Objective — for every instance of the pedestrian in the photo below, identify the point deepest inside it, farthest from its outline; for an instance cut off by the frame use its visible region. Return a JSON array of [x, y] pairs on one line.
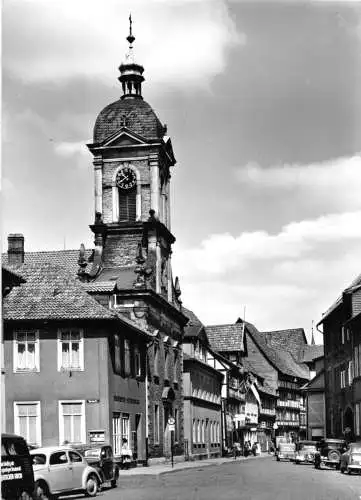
[[126, 453]]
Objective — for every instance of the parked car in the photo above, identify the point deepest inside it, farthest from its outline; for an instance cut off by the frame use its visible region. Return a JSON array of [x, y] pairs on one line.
[[285, 451], [351, 459], [102, 459], [17, 476], [329, 453], [305, 452], [61, 469]]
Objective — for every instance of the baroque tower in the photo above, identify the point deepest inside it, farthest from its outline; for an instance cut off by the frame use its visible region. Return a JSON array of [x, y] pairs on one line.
[[132, 160], [131, 261]]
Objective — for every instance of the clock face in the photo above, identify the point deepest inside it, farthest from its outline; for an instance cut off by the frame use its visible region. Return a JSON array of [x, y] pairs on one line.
[[126, 178]]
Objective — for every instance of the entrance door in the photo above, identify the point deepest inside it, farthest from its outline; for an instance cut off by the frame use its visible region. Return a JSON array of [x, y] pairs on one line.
[[138, 436]]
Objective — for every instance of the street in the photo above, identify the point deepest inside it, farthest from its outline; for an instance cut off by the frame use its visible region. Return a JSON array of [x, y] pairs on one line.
[[261, 479]]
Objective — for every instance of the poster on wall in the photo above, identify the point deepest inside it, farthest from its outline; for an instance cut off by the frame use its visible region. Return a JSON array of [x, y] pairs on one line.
[[97, 436]]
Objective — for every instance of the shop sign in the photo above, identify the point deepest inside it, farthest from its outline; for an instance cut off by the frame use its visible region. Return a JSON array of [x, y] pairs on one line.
[[97, 436]]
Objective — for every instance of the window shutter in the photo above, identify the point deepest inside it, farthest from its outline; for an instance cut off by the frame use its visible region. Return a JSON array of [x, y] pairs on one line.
[[127, 205]]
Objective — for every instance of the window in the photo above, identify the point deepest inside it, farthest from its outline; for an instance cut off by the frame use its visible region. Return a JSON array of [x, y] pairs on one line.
[[199, 433], [75, 457], [117, 359], [125, 427], [343, 379], [128, 205], [166, 365], [357, 419], [156, 359], [117, 434], [127, 356], [175, 366], [26, 351], [203, 429], [156, 424], [194, 431], [350, 372], [27, 421], [72, 422], [58, 458], [356, 361], [137, 362], [342, 335], [70, 350]]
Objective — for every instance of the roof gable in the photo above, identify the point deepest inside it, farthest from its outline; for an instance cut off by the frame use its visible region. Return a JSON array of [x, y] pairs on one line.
[[291, 340], [226, 338], [124, 137]]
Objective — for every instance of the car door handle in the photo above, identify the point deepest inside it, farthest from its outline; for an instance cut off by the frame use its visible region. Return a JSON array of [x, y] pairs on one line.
[[70, 468]]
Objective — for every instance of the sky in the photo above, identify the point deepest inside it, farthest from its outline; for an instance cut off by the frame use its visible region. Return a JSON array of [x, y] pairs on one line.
[[263, 104]]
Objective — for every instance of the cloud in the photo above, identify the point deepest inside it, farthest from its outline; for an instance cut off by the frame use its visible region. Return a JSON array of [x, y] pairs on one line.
[[68, 149], [337, 180], [221, 253], [286, 279], [64, 39]]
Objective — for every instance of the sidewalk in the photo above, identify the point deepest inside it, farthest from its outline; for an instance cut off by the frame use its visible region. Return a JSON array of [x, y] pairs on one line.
[[166, 468]]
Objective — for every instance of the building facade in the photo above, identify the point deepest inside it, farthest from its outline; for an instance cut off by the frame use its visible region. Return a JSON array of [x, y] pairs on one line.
[[341, 330]]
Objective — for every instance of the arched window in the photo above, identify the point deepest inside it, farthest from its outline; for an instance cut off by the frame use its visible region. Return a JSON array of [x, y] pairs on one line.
[[127, 204]]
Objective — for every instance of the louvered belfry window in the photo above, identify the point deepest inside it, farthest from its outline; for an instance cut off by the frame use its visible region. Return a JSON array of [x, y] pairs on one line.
[[127, 204]]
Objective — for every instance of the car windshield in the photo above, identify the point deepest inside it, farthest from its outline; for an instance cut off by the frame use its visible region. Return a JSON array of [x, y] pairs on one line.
[[38, 459], [356, 449], [93, 452]]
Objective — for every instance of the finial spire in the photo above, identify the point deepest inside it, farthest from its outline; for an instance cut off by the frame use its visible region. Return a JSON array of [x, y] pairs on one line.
[[312, 336], [131, 73], [130, 37]]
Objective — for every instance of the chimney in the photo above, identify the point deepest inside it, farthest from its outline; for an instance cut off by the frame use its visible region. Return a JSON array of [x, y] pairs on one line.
[[15, 249]]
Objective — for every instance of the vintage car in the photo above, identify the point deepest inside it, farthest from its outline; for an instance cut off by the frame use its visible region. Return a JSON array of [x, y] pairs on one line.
[[329, 453], [61, 469], [351, 459], [17, 476], [102, 459], [285, 451], [305, 452]]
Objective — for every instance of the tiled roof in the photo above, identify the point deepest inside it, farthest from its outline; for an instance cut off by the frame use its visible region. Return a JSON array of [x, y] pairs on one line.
[[267, 389], [68, 259], [291, 340], [281, 360], [310, 353], [141, 120], [194, 325], [99, 286], [51, 292], [355, 284], [226, 337]]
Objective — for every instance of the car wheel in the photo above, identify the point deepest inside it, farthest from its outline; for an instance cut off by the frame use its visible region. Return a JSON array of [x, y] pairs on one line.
[[113, 483], [278, 459], [349, 471], [92, 486], [42, 491]]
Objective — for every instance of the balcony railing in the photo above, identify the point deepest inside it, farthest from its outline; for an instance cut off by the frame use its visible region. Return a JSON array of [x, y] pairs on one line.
[[267, 411], [288, 423], [288, 403]]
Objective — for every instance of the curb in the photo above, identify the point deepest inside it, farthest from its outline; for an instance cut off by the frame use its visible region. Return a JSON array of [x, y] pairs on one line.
[[200, 464]]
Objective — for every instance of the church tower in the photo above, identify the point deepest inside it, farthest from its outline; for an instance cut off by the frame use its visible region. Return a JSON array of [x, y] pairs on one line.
[[133, 157], [131, 262]]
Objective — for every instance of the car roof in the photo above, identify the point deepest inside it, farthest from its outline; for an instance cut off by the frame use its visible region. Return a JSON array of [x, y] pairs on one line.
[[52, 449], [11, 436]]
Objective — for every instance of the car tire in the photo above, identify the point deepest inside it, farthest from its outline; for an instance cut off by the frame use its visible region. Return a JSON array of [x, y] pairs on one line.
[[114, 483], [92, 486], [349, 472], [278, 459], [41, 491]]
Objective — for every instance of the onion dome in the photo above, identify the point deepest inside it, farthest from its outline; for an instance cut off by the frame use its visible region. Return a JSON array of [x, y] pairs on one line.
[[130, 110]]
